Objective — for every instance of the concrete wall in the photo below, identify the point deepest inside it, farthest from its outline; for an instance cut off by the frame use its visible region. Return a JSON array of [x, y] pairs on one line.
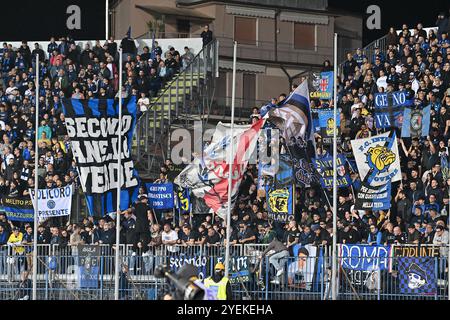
[[265, 48], [349, 29], [123, 18], [270, 86]]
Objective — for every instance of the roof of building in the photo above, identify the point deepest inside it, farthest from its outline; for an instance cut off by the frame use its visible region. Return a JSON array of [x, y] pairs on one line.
[[289, 4]]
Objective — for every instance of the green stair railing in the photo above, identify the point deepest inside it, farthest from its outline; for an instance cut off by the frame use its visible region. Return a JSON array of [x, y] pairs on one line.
[[183, 100]]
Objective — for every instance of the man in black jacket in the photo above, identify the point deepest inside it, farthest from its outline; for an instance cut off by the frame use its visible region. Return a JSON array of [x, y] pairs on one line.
[[25, 51], [36, 51], [322, 235], [112, 47], [25, 286], [128, 47], [206, 35], [388, 236], [342, 207], [349, 66], [107, 235], [142, 230], [128, 227], [43, 235], [404, 205], [428, 235], [414, 236], [349, 234], [124, 284]]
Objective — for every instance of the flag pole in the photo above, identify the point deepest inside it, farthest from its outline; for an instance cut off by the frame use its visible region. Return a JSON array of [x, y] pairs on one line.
[[106, 19], [119, 183], [230, 163], [334, 262], [36, 181]]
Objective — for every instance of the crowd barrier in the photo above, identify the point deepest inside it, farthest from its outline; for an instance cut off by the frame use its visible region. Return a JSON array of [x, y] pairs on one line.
[[88, 272]]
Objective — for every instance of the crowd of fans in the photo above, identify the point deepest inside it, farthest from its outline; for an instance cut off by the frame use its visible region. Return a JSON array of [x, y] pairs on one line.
[[417, 62], [65, 71]]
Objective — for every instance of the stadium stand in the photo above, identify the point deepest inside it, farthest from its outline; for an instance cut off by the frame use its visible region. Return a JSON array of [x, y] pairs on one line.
[[417, 63]]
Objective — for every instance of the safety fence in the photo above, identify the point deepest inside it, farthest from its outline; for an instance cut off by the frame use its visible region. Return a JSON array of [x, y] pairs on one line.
[[88, 272], [186, 98]]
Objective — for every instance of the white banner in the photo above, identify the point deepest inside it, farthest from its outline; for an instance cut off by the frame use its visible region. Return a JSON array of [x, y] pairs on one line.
[[55, 202], [377, 159], [223, 130]]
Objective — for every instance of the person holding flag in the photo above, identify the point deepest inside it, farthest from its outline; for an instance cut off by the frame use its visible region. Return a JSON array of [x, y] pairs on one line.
[[128, 46]]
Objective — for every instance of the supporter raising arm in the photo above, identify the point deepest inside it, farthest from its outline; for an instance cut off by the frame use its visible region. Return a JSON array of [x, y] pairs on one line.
[[405, 150]]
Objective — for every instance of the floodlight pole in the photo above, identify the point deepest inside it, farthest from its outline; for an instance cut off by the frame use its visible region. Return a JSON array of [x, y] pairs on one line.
[[230, 163], [119, 183], [106, 20], [334, 249], [36, 181]]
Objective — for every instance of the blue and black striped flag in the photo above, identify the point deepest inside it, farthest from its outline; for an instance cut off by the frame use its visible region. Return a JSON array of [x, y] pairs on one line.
[[93, 126], [417, 275], [293, 115]]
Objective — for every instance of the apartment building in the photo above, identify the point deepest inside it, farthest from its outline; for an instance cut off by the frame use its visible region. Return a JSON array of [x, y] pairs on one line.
[[279, 41]]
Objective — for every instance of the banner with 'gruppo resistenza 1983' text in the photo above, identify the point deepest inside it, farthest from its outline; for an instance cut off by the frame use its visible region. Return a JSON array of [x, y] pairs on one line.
[[160, 195], [93, 128]]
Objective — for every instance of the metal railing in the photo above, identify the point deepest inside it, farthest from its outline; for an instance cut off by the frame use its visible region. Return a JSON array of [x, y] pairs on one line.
[[368, 51], [64, 273], [264, 52], [168, 35], [221, 110], [184, 99]]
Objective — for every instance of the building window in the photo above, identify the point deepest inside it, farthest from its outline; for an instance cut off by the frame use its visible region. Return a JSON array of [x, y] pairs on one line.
[[304, 36], [183, 28], [245, 30], [222, 95], [249, 90]]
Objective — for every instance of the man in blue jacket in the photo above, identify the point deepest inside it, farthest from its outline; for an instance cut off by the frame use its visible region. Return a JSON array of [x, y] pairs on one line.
[[359, 57], [306, 236], [374, 236]]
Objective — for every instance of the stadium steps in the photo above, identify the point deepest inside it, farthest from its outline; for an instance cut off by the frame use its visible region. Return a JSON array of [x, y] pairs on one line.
[[179, 103], [159, 109], [169, 99]]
